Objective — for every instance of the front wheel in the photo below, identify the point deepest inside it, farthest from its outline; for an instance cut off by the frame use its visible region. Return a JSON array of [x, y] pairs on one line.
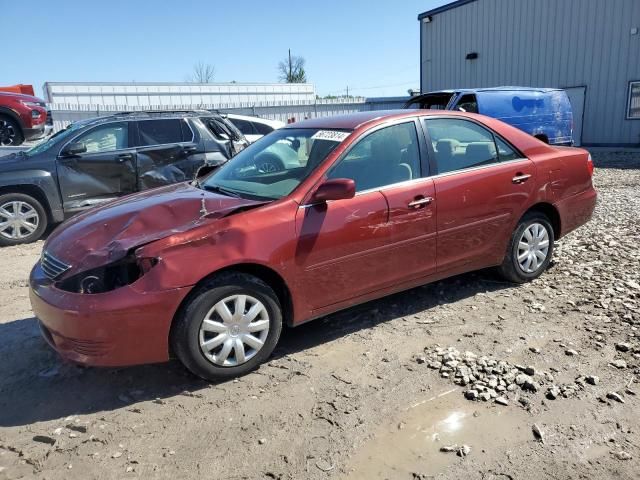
[[22, 219], [530, 249], [228, 327], [10, 132]]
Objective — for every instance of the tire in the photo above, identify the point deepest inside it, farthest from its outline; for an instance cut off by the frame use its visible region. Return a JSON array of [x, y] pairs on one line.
[[512, 269], [187, 333], [10, 132], [18, 233]]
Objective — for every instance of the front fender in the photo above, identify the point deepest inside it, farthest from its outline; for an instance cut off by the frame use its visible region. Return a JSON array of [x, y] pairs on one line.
[[43, 180]]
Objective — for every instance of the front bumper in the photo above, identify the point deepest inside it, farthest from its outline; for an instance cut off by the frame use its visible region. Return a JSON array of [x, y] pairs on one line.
[[34, 133], [118, 328]]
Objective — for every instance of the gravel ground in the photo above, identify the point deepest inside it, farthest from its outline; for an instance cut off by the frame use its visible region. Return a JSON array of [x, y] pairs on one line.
[[469, 377]]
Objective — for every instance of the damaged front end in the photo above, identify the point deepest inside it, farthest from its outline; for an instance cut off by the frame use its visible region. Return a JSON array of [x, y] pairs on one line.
[[109, 277]]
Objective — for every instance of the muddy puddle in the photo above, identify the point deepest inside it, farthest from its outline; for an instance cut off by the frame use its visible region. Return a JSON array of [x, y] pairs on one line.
[[411, 442]]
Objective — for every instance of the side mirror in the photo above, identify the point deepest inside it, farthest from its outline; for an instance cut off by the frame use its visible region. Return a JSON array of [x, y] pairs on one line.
[[74, 149], [334, 189]]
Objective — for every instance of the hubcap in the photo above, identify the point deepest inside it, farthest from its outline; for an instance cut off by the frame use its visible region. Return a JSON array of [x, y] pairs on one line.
[[268, 167], [7, 133], [234, 330], [533, 247], [18, 220]]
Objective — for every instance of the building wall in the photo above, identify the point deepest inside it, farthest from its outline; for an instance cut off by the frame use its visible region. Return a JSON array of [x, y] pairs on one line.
[[542, 43]]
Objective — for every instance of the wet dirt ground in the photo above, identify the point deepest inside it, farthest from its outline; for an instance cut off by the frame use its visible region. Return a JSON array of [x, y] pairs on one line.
[[348, 396]]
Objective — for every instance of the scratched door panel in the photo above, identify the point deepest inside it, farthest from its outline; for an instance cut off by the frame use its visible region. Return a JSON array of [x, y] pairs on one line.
[[341, 250]]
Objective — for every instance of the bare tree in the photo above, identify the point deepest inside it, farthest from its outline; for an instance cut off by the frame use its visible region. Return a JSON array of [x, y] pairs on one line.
[[202, 73], [291, 69]]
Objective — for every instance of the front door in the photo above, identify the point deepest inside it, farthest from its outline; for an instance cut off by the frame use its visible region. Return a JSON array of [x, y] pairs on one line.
[[341, 248], [482, 185], [379, 238], [105, 170]]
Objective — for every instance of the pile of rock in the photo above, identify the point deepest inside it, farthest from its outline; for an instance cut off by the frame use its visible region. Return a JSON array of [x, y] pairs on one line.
[[490, 379]]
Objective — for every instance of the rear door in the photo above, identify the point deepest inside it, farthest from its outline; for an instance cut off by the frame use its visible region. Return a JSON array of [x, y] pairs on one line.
[[166, 151], [482, 187], [104, 171]]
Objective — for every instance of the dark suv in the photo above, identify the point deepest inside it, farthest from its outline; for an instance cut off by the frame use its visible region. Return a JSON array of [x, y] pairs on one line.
[[97, 160]]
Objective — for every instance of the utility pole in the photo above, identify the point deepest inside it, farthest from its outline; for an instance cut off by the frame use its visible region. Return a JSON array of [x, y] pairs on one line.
[[290, 66], [347, 91]]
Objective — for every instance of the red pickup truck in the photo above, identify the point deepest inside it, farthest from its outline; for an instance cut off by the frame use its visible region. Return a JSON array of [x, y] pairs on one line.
[[22, 117]]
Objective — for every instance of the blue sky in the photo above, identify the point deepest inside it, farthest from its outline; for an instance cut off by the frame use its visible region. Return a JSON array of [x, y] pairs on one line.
[[371, 46]]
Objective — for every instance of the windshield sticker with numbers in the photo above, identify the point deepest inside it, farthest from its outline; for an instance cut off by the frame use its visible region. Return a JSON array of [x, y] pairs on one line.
[[333, 135]]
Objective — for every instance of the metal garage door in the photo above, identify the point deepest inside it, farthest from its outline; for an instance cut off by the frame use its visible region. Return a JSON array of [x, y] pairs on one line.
[[576, 97]]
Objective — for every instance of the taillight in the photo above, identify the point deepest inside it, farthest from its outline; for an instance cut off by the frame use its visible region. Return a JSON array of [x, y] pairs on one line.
[[590, 166]]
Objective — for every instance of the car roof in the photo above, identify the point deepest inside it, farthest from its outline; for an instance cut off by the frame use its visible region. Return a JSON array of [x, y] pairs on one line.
[[249, 118], [149, 114], [351, 121], [497, 89]]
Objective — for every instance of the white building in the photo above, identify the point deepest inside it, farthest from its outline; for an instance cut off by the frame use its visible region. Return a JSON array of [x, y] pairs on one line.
[[155, 95]]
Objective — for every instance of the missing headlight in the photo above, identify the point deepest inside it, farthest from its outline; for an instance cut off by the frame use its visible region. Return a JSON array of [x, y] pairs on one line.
[[110, 277]]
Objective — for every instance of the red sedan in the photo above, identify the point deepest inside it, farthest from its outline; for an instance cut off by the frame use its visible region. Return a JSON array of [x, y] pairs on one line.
[[313, 218]]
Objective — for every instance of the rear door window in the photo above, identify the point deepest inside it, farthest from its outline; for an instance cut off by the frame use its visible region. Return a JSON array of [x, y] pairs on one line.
[[460, 144], [163, 131], [262, 128], [244, 126], [506, 152]]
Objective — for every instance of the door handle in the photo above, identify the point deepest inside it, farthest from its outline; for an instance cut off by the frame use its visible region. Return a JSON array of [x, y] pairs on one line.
[[123, 157], [520, 178], [419, 202]]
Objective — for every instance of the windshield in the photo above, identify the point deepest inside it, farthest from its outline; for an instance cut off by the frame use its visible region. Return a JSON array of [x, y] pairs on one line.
[[56, 138], [275, 165]]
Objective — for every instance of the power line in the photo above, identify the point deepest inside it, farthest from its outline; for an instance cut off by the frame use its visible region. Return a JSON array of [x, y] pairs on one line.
[[376, 87]]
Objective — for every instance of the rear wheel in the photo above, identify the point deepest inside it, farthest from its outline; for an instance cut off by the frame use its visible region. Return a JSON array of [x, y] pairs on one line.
[[10, 132], [22, 219], [530, 249], [228, 327]]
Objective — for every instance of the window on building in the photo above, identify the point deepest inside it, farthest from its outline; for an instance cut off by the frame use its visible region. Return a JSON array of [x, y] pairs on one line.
[[633, 108]]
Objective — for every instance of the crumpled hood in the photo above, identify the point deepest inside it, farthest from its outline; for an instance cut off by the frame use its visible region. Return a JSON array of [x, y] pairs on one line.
[[106, 234]]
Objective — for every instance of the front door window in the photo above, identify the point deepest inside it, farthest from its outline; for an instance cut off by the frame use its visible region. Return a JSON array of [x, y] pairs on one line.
[[386, 156], [106, 138]]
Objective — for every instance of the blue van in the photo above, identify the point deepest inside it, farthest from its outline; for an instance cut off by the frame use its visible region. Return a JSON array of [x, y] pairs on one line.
[[544, 113]]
